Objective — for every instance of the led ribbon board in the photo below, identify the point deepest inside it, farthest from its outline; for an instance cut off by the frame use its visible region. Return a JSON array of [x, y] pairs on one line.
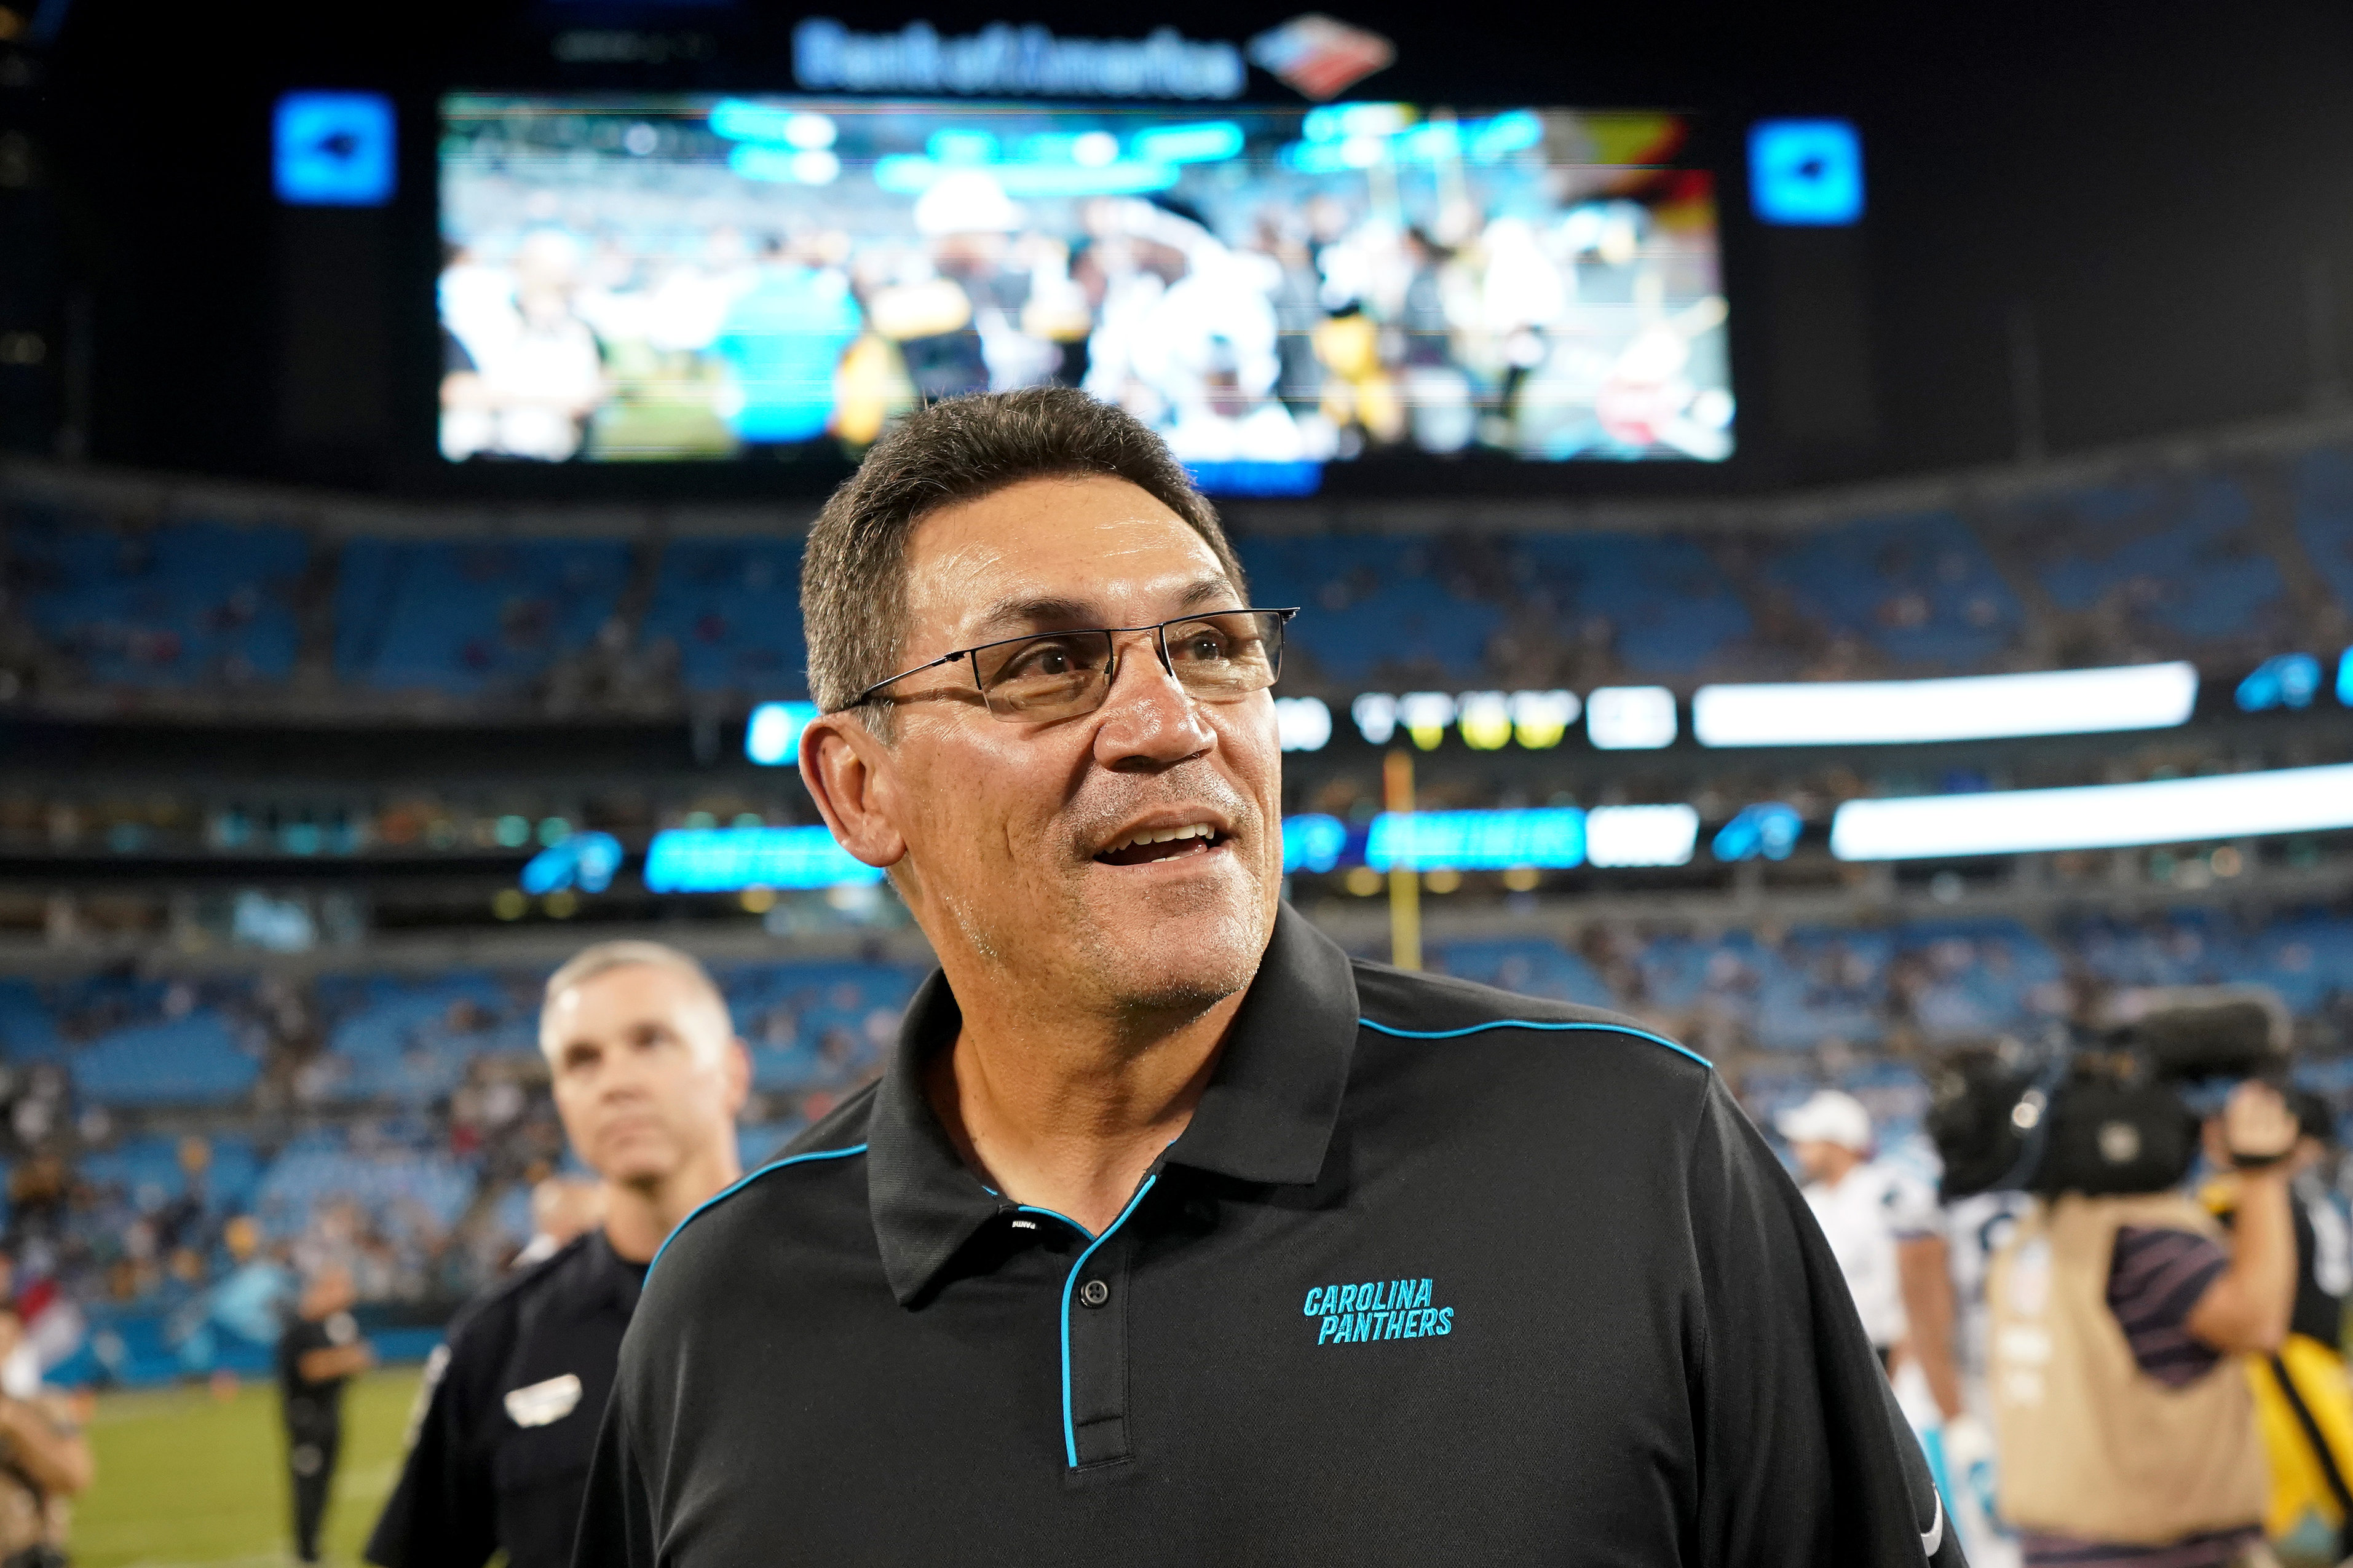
[[2096, 817], [1477, 840], [1966, 708], [727, 859]]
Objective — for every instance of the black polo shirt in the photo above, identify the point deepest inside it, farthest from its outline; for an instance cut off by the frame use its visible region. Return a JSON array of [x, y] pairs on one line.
[[1435, 1274], [508, 1418]]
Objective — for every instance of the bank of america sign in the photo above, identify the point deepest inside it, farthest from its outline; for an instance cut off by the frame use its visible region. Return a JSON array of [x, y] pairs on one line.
[[1009, 61]]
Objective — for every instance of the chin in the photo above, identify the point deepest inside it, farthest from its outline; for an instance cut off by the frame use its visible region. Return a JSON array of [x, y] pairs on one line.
[[1174, 958], [637, 1163]]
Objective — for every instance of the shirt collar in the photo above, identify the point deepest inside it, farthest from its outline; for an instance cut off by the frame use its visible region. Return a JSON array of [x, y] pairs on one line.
[[1266, 1116]]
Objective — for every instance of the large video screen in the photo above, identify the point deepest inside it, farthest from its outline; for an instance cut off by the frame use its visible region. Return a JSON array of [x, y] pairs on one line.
[[1273, 289]]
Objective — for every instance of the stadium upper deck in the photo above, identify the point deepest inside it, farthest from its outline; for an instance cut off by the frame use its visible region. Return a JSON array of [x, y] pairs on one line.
[[132, 597]]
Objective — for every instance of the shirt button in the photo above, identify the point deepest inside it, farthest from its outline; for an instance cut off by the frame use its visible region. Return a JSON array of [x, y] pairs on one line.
[[1093, 1293]]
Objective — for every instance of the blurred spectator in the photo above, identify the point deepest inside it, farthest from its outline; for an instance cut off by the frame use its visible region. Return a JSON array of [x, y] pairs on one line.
[[2303, 1401], [1859, 1203], [320, 1350], [45, 1461], [561, 1208]]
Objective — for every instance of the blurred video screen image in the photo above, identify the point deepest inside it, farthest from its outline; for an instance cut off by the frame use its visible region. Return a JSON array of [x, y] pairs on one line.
[[711, 279]]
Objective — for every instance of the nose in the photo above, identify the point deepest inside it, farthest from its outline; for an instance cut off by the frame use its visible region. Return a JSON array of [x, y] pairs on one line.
[[1148, 721]]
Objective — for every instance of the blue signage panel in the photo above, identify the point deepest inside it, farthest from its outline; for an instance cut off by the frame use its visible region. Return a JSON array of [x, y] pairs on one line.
[[1806, 172], [335, 148], [728, 860]]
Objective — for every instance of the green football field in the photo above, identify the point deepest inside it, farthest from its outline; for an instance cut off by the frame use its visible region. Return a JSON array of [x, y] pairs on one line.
[[185, 1478]]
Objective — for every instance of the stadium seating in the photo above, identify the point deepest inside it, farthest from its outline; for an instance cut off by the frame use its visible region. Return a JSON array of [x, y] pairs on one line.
[[1669, 607], [1922, 589], [1371, 608], [410, 1041], [816, 1028], [2177, 554], [192, 1061], [2324, 519], [733, 610], [469, 618], [1531, 967], [179, 604]]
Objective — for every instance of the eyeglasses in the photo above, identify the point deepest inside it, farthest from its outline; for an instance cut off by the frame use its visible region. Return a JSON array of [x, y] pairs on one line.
[[1216, 657]]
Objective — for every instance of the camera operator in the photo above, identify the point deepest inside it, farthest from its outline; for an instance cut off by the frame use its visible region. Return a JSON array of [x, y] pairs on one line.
[[2302, 1403], [2126, 1437]]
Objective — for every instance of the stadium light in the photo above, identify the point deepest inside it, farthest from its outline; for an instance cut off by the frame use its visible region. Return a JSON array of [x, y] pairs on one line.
[[1425, 715], [1376, 713], [1640, 834], [772, 738], [729, 859], [1630, 718], [1541, 718], [1477, 840], [1965, 708], [2096, 817], [1302, 723]]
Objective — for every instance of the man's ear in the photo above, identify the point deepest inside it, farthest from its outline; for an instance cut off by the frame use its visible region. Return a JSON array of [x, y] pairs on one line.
[[850, 775]]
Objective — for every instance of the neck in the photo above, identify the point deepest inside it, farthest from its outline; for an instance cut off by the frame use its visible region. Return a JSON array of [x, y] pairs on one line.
[[640, 1215], [1070, 1117]]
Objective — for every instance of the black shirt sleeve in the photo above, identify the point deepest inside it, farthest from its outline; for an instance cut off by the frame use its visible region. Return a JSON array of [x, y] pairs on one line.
[[441, 1513], [1804, 1455]]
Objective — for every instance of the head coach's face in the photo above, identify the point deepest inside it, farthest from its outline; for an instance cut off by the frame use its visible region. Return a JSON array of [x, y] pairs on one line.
[[1126, 856]]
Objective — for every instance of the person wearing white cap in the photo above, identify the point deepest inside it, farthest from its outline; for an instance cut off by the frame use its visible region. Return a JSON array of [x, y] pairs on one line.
[[1856, 1203]]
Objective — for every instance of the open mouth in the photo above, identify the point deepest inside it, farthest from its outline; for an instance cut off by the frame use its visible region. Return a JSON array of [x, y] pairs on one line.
[[1147, 845]]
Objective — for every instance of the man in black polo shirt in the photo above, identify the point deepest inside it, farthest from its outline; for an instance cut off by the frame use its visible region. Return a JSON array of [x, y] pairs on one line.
[[647, 1077], [1171, 1234]]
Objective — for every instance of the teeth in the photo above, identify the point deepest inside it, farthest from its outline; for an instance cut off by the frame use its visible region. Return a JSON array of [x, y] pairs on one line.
[[1166, 834]]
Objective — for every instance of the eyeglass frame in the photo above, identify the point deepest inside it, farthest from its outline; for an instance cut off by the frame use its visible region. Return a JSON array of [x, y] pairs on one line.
[[1160, 639]]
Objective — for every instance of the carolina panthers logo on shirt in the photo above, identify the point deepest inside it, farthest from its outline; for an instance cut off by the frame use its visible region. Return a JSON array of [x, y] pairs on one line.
[[1376, 1309]]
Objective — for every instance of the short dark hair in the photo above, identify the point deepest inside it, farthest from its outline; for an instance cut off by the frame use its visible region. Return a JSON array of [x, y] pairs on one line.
[[854, 573]]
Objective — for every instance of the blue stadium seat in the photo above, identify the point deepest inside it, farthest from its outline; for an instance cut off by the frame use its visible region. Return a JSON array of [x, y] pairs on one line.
[[411, 1040], [733, 611], [1370, 607], [192, 1061], [178, 604], [2324, 519], [815, 1025], [469, 618], [2183, 556], [28, 1031], [1531, 967], [1672, 608], [1920, 588]]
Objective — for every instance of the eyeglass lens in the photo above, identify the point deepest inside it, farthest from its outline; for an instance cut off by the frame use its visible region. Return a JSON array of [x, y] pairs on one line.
[[1061, 674]]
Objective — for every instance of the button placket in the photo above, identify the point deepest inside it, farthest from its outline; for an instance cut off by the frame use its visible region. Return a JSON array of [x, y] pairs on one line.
[[1097, 1329]]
